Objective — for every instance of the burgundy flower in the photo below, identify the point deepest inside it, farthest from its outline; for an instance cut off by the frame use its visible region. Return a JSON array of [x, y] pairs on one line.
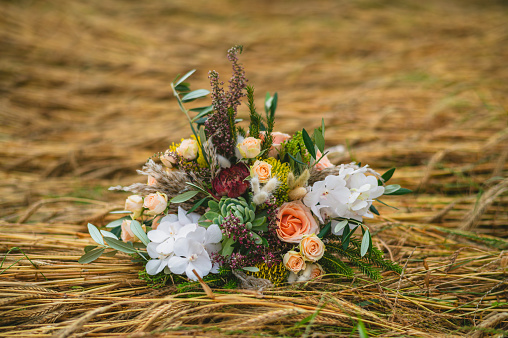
[[230, 181]]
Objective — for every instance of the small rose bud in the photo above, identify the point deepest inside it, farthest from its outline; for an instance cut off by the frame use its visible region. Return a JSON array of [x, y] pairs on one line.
[[188, 149], [134, 203]]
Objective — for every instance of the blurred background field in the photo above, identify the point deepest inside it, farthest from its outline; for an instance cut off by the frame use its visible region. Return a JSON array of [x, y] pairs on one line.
[[85, 99]]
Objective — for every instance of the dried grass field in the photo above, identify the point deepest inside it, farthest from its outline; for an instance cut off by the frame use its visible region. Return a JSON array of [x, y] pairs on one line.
[[85, 99]]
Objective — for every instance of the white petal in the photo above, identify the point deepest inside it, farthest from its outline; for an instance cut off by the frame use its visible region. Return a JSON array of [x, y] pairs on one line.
[[151, 249], [187, 247], [359, 205], [157, 236], [376, 192], [213, 234], [154, 266], [166, 247], [341, 195], [185, 230], [182, 216], [213, 247], [352, 198], [215, 268], [171, 218], [194, 217], [334, 182], [198, 235], [178, 264]]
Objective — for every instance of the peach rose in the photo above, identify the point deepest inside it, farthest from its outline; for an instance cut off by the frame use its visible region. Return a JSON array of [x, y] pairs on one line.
[[294, 220], [156, 203], [261, 170], [323, 163], [151, 180], [168, 159], [277, 139], [127, 234], [293, 261], [134, 203], [188, 149], [312, 248], [250, 147]]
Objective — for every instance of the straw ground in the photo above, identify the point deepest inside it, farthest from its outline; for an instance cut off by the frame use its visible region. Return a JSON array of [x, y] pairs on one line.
[[85, 100]]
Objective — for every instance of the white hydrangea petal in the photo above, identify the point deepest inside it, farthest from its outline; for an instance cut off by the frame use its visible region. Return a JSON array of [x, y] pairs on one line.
[[187, 247], [151, 249], [213, 234], [198, 235], [186, 229], [213, 247], [202, 264], [376, 192], [182, 216], [359, 205], [178, 265], [154, 266], [166, 247], [334, 182], [341, 195], [194, 217], [171, 218], [157, 236], [353, 197]]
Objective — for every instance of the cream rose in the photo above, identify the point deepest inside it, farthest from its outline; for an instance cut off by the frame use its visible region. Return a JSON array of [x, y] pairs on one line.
[[323, 163], [293, 261], [134, 203], [127, 234], [294, 220], [188, 149], [312, 248], [277, 139], [250, 147], [156, 203], [168, 159], [261, 170]]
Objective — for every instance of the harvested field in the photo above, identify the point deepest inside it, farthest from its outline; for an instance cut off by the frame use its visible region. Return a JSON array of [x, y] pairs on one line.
[[85, 99]]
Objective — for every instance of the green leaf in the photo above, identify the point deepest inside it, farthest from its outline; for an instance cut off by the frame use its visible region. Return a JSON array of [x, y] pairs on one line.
[[339, 226], [121, 212], [373, 209], [95, 234], [320, 140], [119, 245], [386, 204], [387, 175], [184, 197], [89, 247], [362, 331], [196, 94], [139, 232], [365, 243], [273, 104], [323, 127], [213, 205], [401, 191], [108, 234], [117, 222], [210, 215], [325, 230], [198, 203], [227, 247], [185, 77], [296, 160], [251, 268], [110, 254], [308, 143], [183, 87], [390, 189], [259, 224], [202, 112], [90, 256]]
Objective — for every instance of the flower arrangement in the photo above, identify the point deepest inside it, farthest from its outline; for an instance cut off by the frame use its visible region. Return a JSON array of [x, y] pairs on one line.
[[246, 203]]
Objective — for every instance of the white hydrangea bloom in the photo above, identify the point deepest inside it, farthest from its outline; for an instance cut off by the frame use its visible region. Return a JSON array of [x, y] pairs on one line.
[[164, 241], [348, 195]]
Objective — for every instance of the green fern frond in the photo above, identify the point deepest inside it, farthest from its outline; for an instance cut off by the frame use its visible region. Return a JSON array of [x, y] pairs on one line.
[[334, 265], [354, 258]]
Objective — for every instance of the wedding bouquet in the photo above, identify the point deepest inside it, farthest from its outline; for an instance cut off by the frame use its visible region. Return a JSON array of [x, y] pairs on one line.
[[233, 203]]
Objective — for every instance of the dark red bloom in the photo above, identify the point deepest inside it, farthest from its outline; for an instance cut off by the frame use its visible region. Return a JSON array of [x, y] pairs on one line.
[[230, 181]]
